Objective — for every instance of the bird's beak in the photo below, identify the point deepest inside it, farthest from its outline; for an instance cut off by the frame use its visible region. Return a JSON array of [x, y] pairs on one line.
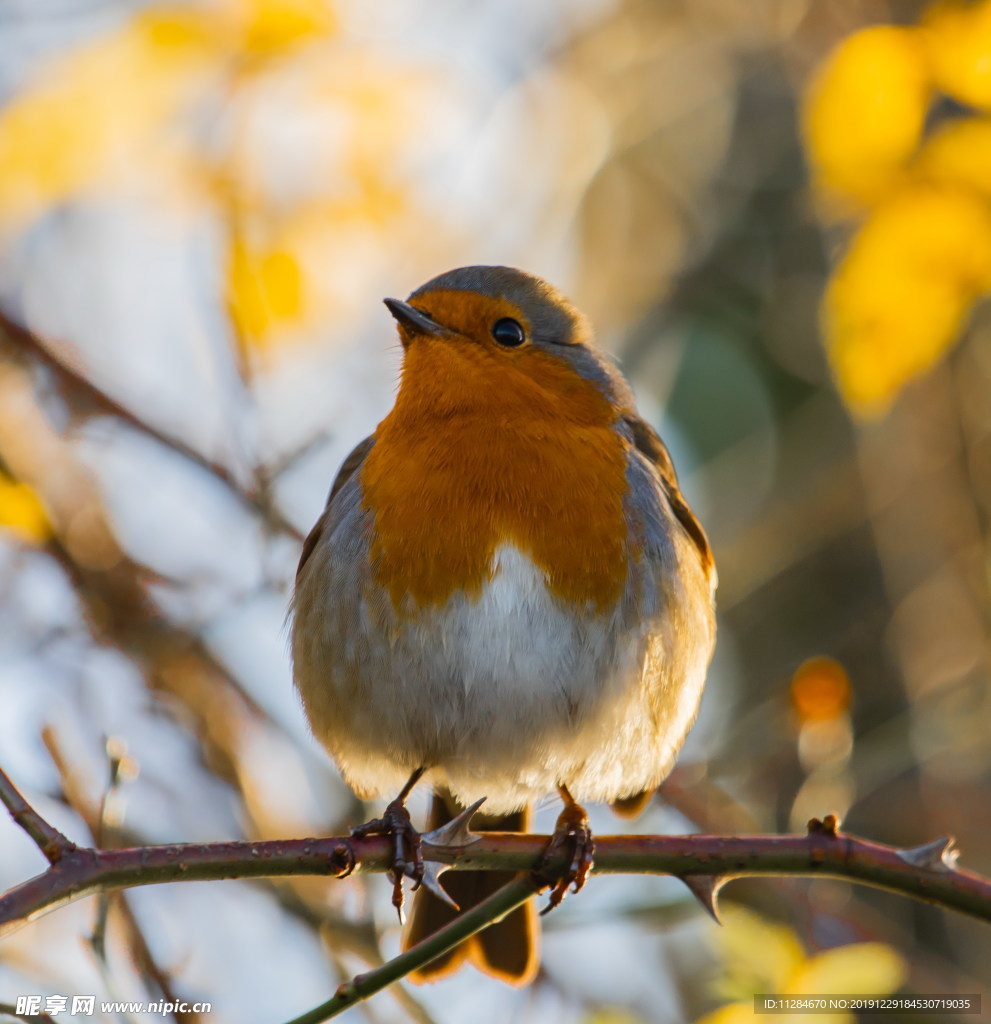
[[413, 320]]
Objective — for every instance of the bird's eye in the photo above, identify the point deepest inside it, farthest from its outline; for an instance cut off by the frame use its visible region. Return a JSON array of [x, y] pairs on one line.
[[508, 332]]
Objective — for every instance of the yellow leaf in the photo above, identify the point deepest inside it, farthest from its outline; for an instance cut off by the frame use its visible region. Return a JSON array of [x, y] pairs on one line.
[[612, 1015], [177, 28], [269, 26], [743, 1013], [95, 115], [732, 1013], [21, 513], [859, 969], [864, 113], [265, 288], [877, 345], [958, 42], [758, 953], [959, 153], [901, 294]]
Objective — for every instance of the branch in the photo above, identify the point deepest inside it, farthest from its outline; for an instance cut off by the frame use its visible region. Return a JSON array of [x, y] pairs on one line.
[[704, 863]]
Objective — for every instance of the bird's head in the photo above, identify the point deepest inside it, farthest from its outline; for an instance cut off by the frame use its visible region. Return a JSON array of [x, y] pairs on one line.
[[499, 335]]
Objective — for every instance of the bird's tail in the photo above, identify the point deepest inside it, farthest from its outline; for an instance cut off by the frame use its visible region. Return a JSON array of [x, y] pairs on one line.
[[506, 950]]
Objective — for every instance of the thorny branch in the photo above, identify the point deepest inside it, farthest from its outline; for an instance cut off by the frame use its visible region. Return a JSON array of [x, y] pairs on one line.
[[927, 872], [705, 863]]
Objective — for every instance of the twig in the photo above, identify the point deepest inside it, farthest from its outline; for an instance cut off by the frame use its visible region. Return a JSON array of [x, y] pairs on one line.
[[105, 828], [47, 353], [46, 837], [104, 831], [111, 587], [501, 902]]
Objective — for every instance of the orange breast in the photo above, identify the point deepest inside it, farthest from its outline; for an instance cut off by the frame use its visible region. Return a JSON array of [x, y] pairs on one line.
[[484, 448]]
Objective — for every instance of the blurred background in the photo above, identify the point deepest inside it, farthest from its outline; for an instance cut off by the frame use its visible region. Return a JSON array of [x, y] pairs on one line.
[[778, 215]]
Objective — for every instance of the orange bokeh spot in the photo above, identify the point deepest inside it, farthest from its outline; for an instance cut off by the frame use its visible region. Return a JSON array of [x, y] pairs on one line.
[[820, 689]]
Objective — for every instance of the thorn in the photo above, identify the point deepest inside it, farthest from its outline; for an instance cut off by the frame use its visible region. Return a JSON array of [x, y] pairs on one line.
[[432, 871], [705, 888], [456, 832], [939, 855], [452, 836], [829, 826]]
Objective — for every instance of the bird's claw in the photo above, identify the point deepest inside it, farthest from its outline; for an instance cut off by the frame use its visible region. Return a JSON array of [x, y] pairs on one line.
[[407, 856], [344, 855], [572, 832]]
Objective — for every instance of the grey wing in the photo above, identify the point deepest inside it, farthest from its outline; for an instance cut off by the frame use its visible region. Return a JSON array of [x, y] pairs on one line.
[[348, 468], [650, 445], [684, 588]]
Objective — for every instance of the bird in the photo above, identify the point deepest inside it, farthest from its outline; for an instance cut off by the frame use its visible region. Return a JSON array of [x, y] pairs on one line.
[[506, 595]]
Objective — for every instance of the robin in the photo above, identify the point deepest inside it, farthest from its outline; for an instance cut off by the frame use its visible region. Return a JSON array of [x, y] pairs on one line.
[[506, 594]]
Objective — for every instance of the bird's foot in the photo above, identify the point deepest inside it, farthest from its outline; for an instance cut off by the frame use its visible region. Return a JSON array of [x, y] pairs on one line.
[[407, 853], [407, 856], [571, 834]]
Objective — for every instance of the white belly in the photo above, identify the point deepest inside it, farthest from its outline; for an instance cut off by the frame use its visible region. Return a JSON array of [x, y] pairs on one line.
[[504, 696]]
